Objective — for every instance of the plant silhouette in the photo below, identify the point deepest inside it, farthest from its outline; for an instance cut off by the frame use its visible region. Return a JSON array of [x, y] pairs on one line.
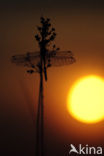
[[38, 62]]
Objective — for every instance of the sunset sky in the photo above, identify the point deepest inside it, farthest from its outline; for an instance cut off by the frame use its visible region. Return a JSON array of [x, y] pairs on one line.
[[80, 28]]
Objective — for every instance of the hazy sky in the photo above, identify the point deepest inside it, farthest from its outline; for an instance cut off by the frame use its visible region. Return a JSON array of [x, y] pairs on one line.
[[80, 28]]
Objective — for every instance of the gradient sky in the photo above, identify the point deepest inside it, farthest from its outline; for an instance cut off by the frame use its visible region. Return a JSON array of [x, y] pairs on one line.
[[80, 28]]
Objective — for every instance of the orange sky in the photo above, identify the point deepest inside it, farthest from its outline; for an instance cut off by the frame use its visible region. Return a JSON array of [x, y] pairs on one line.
[[80, 30]]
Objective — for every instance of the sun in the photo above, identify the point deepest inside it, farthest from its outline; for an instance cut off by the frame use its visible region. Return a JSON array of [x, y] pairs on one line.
[[86, 99]]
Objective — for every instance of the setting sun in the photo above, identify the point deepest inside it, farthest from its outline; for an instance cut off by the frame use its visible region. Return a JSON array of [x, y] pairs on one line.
[[86, 99]]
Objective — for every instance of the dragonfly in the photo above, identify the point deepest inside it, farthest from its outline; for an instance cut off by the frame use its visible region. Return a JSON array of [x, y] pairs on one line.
[[31, 60]]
